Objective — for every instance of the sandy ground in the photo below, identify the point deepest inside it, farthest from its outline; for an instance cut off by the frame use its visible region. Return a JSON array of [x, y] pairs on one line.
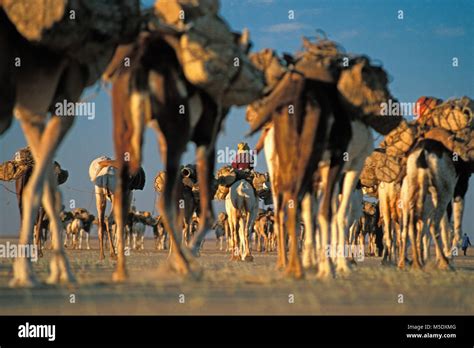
[[230, 287]]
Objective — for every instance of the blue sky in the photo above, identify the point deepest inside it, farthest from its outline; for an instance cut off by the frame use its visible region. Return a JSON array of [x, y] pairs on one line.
[[417, 52]]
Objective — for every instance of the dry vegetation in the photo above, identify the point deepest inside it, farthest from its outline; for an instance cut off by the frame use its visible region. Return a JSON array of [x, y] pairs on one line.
[[238, 288]]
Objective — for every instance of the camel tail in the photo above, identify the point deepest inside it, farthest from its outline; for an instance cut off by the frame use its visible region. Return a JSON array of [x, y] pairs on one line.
[[422, 181], [421, 160], [140, 110]]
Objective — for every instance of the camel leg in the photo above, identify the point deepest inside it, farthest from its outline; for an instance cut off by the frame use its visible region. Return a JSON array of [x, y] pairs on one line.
[[387, 228], [421, 226], [60, 271], [227, 237], [403, 246], [22, 269], [101, 205], [249, 223], [445, 235], [440, 202], [294, 267], [243, 245], [205, 168], [233, 237], [179, 261], [441, 259], [330, 176], [66, 237], [236, 253], [309, 248], [43, 152], [81, 234], [426, 247], [121, 205], [109, 228], [280, 227], [458, 211], [37, 230], [87, 241], [350, 182]]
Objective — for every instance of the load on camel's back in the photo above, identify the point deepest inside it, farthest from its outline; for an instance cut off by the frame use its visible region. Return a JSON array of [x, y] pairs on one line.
[[450, 123], [20, 169], [19, 165], [226, 176], [208, 52]]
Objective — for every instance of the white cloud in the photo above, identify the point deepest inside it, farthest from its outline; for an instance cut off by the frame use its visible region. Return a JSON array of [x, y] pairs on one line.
[[263, 2], [347, 34], [286, 27], [449, 31]]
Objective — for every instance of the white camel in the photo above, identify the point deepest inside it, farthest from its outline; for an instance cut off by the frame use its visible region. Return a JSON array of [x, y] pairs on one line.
[[316, 246], [389, 198], [427, 190], [138, 235], [104, 179], [241, 206]]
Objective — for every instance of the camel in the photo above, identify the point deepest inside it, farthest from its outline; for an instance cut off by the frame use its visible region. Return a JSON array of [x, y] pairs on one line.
[[47, 76], [221, 228], [138, 235], [188, 206], [241, 205], [103, 173], [426, 192], [79, 228], [156, 101], [369, 225], [299, 112], [264, 231], [159, 233], [104, 179], [361, 97], [41, 225], [66, 218], [464, 171], [389, 205]]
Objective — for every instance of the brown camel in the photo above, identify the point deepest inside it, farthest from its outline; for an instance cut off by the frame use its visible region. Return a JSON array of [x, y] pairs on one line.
[[63, 60], [154, 91], [299, 110]]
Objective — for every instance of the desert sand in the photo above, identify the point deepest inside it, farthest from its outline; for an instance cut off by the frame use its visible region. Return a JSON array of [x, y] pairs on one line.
[[238, 288]]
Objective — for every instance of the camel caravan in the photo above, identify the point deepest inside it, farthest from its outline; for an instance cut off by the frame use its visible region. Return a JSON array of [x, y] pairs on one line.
[[329, 195]]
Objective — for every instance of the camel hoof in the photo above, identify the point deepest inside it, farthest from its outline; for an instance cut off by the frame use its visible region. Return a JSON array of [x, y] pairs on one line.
[[443, 265], [294, 273], [60, 271], [119, 277], [28, 281], [343, 270], [415, 265], [325, 271], [401, 265], [342, 266], [113, 257], [248, 258]]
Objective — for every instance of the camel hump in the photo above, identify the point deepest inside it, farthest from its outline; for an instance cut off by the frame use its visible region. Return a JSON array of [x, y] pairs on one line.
[[100, 167]]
